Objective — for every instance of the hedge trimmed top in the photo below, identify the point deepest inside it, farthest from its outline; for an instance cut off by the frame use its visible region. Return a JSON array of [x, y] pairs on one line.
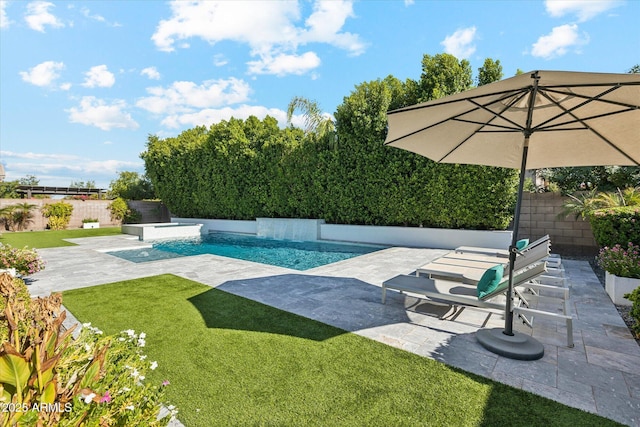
[[244, 169]]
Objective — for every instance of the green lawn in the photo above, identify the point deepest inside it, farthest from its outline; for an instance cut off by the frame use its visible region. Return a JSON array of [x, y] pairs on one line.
[[233, 361], [53, 238]]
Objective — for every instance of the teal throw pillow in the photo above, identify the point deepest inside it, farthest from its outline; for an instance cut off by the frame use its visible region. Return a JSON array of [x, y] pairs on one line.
[[490, 280], [521, 244]]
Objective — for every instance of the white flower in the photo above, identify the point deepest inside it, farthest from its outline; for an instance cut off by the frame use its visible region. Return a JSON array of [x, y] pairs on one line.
[[125, 390], [171, 407], [143, 335], [86, 325], [130, 407], [141, 378], [89, 397], [142, 357], [141, 342], [120, 339], [87, 347], [130, 332], [154, 365]]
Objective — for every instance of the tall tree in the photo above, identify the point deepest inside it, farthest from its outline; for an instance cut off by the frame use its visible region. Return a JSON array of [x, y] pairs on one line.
[[442, 75], [131, 186], [315, 121], [491, 71]]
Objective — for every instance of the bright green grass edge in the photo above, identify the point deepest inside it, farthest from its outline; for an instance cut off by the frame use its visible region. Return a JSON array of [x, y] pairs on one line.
[[233, 361], [53, 238]]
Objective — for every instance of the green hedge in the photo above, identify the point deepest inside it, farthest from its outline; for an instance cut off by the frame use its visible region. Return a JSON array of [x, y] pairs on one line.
[[613, 226], [244, 169]]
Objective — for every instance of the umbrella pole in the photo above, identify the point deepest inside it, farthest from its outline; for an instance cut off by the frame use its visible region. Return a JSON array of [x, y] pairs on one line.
[[506, 342], [508, 312]]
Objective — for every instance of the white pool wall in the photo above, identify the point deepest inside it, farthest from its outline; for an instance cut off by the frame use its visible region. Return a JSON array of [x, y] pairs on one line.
[[393, 236], [165, 230]]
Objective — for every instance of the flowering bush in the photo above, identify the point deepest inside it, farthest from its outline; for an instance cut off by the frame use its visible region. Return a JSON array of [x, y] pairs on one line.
[[118, 395], [621, 261], [49, 378], [26, 261]]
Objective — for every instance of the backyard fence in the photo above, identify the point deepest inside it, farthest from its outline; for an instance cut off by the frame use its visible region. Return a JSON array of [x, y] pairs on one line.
[[539, 217]]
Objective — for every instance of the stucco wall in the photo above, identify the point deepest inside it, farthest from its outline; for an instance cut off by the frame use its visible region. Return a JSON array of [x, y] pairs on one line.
[[151, 211]]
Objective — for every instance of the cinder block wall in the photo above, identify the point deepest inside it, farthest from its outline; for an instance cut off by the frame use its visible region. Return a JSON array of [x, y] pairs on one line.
[[539, 216]]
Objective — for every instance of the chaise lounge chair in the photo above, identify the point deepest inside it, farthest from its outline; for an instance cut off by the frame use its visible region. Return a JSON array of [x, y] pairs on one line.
[[460, 295], [553, 261], [470, 268]]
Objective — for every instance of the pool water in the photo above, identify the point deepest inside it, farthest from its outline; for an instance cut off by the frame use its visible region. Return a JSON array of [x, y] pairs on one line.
[[283, 253]]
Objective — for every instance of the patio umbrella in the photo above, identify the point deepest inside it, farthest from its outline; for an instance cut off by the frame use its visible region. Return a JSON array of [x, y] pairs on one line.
[[530, 121]]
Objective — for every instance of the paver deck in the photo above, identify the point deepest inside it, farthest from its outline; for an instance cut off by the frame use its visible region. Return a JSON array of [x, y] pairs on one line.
[[601, 374]]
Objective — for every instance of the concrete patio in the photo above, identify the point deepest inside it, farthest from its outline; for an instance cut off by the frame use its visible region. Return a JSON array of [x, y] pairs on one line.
[[601, 374]]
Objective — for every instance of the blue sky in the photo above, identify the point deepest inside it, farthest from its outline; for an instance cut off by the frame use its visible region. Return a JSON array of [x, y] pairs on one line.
[[83, 83]]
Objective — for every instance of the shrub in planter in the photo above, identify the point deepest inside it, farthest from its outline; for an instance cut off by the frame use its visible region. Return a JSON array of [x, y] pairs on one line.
[[623, 261], [58, 214], [26, 261]]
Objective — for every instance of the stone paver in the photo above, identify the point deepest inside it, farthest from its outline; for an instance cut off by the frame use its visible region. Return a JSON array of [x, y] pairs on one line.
[[601, 374]]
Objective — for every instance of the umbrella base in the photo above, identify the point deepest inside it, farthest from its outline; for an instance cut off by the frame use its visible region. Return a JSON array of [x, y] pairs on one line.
[[518, 346]]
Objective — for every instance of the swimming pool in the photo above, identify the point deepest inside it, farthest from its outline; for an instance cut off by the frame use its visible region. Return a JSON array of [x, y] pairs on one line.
[[283, 253]]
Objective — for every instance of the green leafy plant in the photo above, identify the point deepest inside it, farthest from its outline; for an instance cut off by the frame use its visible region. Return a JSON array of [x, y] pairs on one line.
[[590, 201], [86, 220], [634, 297], [49, 378], [118, 208], [613, 226], [17, 217], [58, 214], [621, 261], [25, 261]]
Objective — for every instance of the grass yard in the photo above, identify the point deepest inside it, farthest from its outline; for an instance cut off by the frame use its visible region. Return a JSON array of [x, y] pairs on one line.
[[53, 238], [233, 361]]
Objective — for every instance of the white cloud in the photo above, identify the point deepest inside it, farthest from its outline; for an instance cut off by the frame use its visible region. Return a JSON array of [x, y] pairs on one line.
[[325, 23], [62, 169], [460, 44], [43, 74], [186, 97], [268, 28], [87, 13], [99, 18], [38, 16], [219, 60], [151, 72], [65, 86], [5, 22], [583, 9], [409, 2], [38, 156], [99, 76], [209, 116], [96, 112], [558, 42], [285, 64]]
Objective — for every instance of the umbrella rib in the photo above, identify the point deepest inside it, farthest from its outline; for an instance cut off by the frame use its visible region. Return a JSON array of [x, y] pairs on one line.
[[509, 94], [587, 100], [586, 125], [517, 98]]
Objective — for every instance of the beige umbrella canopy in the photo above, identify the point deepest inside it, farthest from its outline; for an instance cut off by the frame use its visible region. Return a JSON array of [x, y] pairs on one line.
[[530, 121], [578, 119]]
